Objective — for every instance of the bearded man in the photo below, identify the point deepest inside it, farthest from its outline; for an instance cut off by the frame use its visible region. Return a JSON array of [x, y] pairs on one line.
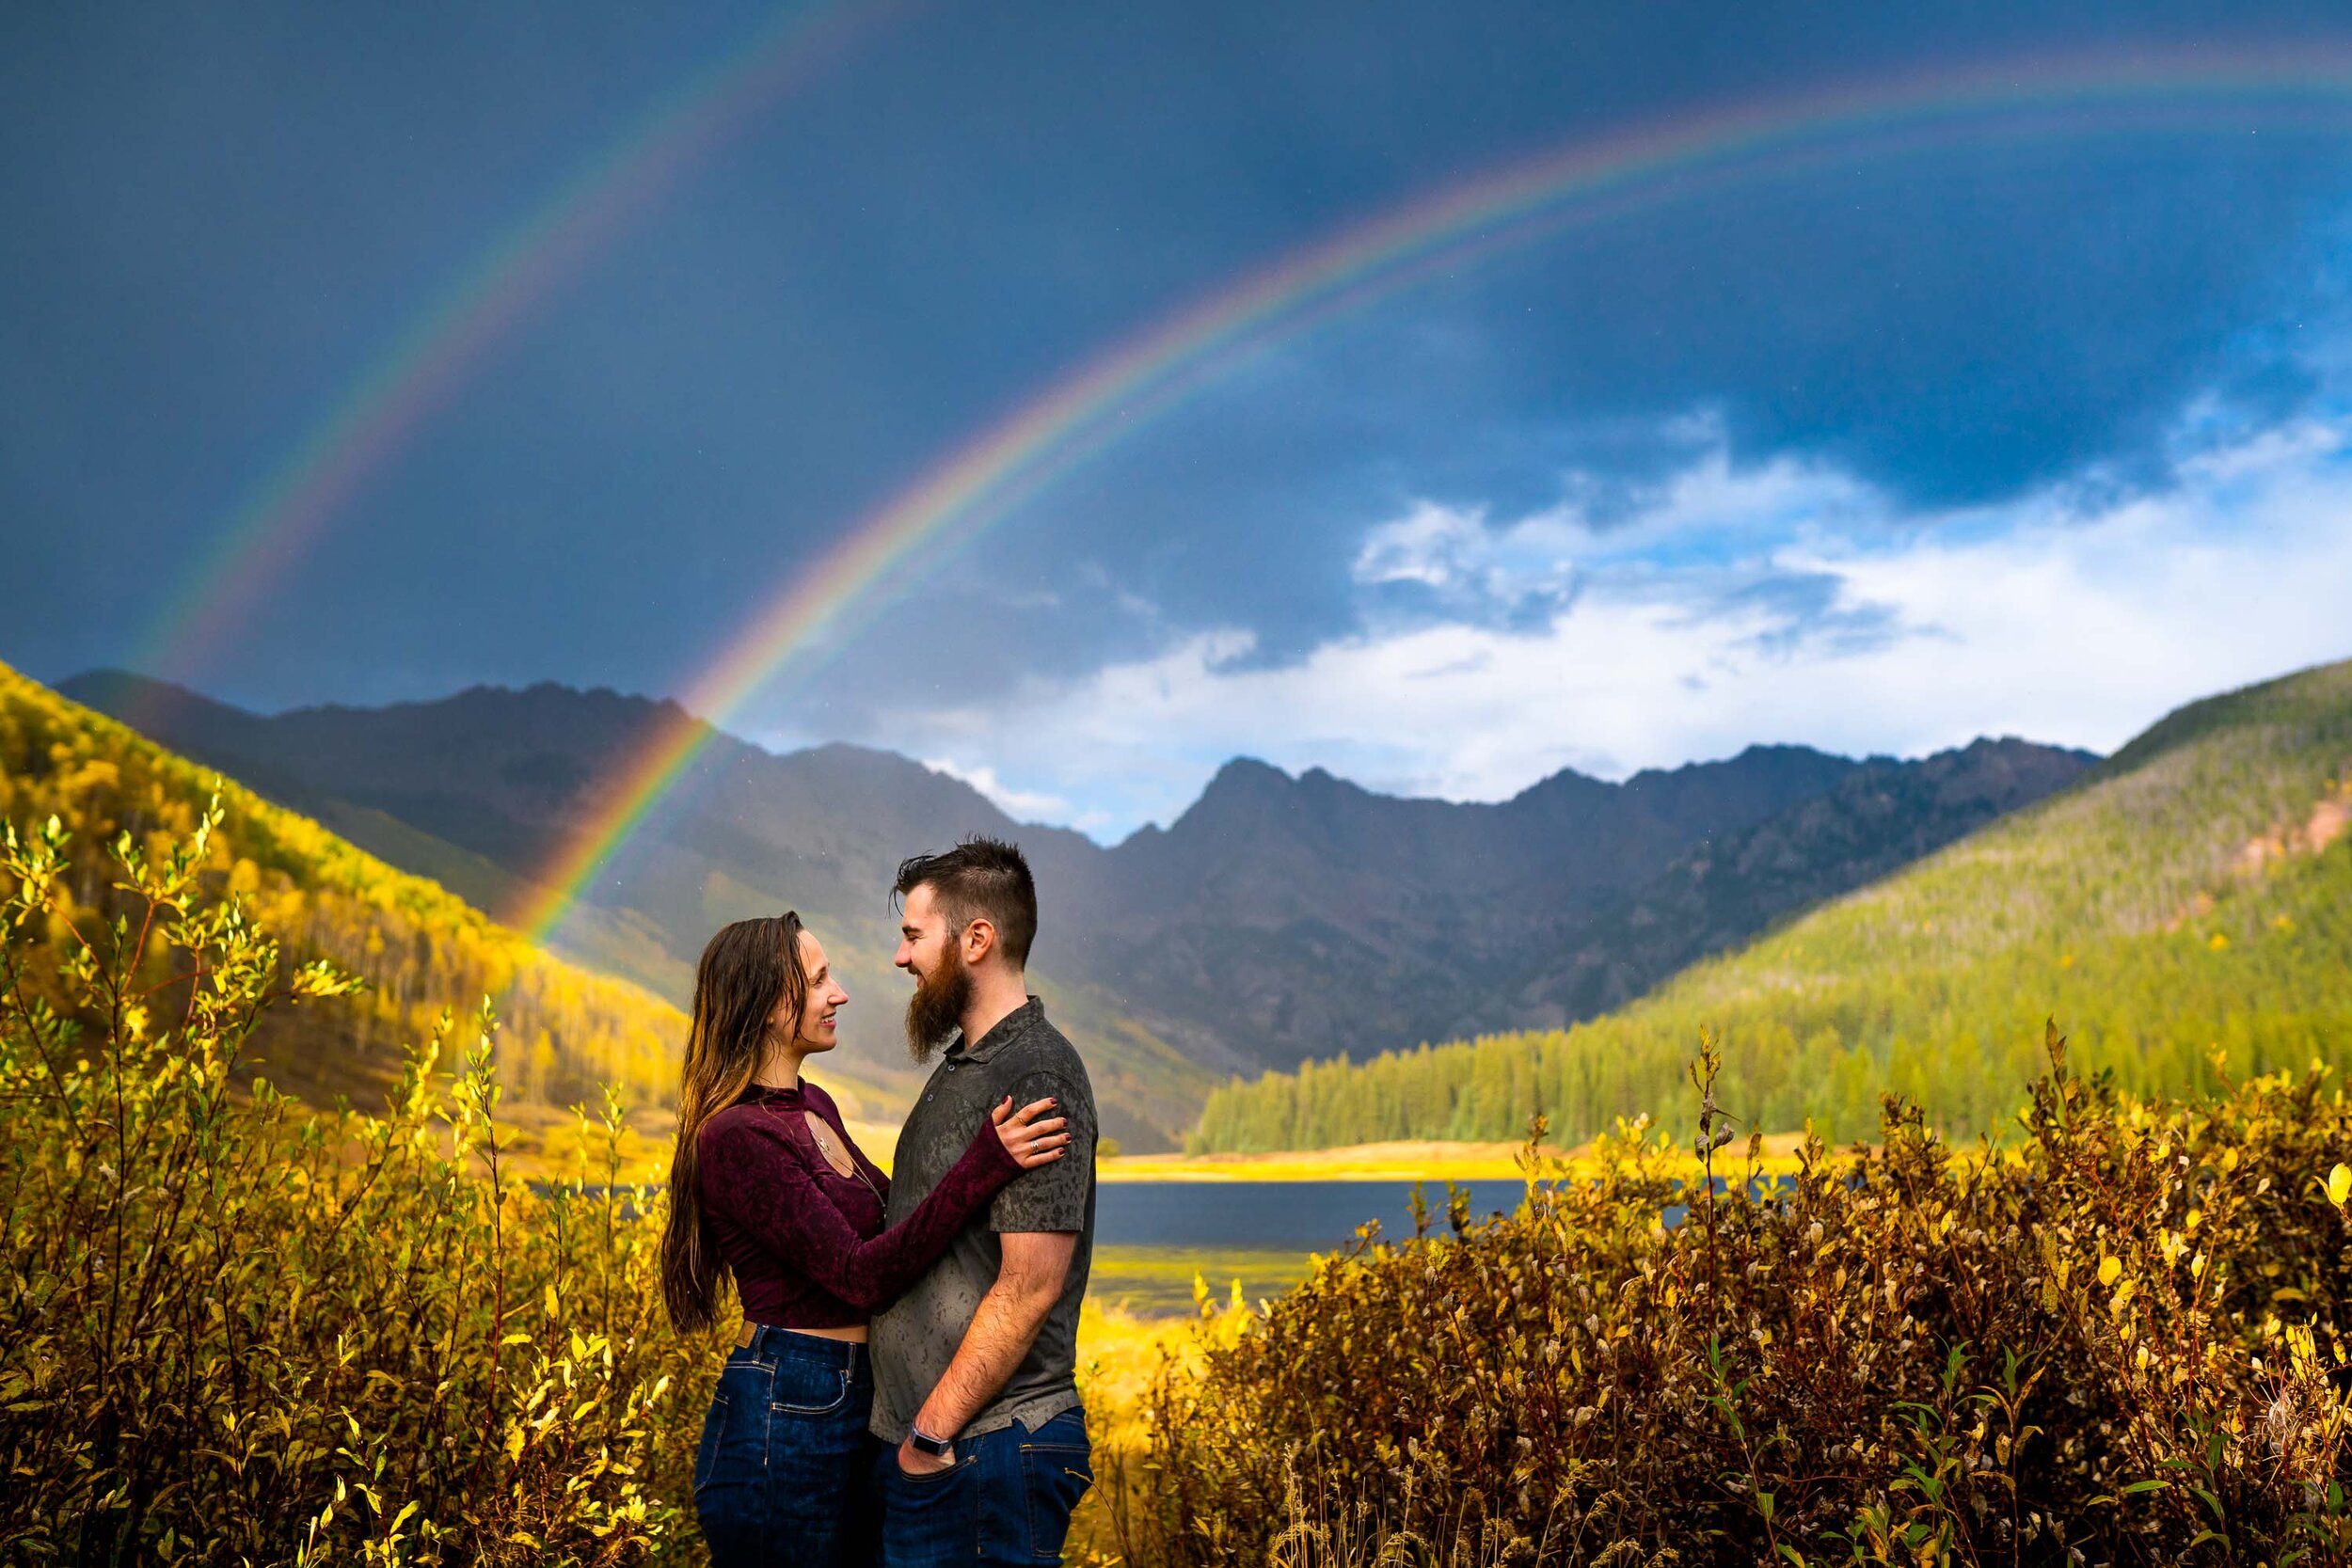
[[976, 1394]]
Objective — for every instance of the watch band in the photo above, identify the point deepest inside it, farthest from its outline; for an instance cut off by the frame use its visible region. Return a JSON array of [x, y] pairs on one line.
[[938, 1448]]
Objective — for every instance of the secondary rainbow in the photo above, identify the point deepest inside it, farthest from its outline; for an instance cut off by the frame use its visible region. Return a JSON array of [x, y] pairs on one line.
[[270, 528], [1109, 398]]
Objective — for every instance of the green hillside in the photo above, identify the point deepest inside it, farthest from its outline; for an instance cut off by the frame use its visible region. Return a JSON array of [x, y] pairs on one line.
[[421, 949], [2191, 897]]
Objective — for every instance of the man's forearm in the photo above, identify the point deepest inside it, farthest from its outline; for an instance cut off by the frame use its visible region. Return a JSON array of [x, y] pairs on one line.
[[1004, 1326], [1029, 1278]]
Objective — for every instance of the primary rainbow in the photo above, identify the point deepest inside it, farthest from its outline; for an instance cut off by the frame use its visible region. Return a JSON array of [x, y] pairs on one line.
[[1106, 399], [279, 516]]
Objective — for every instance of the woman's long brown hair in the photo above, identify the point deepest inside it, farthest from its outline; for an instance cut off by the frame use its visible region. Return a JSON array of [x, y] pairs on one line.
[[746, 969]]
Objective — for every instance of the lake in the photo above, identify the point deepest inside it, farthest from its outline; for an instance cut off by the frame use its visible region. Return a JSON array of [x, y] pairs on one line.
[[1151, 1238], [1305, 1216]]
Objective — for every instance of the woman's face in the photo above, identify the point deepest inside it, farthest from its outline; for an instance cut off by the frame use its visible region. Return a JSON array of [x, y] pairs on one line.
[[814, 1030]]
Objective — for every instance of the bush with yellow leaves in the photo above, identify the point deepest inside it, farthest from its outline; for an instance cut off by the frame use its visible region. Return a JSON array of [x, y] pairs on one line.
[[238, 1331], [2120, 1339]]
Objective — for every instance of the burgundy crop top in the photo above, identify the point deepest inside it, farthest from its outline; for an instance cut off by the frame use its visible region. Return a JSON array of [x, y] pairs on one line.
[[805, 1243]]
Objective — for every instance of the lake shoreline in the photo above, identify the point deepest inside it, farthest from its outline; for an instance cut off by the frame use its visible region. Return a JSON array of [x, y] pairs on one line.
[[1381, 1162], [1431, 1162]]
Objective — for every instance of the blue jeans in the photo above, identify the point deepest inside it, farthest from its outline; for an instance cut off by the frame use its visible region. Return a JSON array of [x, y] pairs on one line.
[[1006, 1500], [785, 1473]]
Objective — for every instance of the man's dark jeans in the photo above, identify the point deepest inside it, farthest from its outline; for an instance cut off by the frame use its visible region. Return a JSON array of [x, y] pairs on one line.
[[1006, 1500], [785, 1474]]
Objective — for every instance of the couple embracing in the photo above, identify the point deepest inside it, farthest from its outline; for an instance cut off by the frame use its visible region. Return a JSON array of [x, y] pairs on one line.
[[903, 1388]]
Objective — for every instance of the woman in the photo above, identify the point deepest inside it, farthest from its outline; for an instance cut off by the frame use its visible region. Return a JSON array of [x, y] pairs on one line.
[[767, 1185]]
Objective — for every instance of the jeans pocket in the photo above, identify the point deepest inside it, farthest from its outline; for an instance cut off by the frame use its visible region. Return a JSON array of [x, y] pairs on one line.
[[931, 1519], [1056, 1469], [714, 1433], [929, 1478], [805, 1388]]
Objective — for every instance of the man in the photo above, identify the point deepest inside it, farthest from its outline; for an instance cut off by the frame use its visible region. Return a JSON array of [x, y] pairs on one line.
[[975, 1367]]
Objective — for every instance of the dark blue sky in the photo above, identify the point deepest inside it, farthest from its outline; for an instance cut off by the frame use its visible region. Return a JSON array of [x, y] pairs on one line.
[[1753, 461]]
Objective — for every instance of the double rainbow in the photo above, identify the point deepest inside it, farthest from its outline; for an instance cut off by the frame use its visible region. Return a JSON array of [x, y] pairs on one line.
[[1109, 398]]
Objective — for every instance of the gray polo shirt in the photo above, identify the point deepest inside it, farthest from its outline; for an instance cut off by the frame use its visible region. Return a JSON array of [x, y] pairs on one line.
[[917, 1335]]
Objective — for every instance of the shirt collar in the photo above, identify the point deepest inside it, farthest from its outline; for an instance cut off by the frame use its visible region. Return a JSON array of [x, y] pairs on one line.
[[1009, 1029]]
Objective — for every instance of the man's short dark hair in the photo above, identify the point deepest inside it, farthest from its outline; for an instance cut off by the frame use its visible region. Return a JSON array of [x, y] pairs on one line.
[[981, 877]]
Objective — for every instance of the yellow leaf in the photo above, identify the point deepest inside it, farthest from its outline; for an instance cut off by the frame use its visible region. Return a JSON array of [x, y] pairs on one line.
[[2340, 1184], [2109, 1270]]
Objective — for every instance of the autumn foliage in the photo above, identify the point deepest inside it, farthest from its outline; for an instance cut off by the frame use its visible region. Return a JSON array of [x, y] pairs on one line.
[[236, 1330], [421, 950], [2119, 1341]]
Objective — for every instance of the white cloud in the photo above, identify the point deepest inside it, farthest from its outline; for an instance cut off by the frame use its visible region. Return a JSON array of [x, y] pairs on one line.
[[1774, 604], [1708, 508], [1022, 805]]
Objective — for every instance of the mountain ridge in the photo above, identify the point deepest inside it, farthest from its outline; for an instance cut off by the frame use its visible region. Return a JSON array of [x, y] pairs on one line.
[[1276, 919], [2190, 895]]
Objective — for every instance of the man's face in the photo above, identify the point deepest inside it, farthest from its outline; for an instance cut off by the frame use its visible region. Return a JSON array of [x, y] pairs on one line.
[[924, 936], [932, 950]]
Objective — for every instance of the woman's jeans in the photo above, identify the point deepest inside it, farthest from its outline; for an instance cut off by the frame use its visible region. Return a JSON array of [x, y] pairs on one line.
[[785, 1471], [1006, 1500]]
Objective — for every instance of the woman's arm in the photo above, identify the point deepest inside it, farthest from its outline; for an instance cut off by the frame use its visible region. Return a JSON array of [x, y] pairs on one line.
[[760, 1182]]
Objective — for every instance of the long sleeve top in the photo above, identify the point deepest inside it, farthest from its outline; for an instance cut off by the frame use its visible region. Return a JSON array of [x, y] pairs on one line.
[[806, 1243]]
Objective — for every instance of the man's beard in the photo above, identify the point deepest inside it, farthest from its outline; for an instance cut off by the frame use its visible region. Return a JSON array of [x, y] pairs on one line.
[[936, 1008]]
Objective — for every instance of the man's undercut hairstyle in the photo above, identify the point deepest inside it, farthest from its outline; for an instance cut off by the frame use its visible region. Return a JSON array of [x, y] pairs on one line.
[[980, 878]]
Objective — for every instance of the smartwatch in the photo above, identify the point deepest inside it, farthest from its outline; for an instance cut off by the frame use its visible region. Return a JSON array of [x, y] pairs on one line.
[[938, 1448]]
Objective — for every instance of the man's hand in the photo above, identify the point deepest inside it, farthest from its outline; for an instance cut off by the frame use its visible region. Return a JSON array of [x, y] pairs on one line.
[[914, 1461]]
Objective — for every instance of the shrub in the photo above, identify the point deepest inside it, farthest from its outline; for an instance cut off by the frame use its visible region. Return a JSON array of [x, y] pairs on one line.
[[236, 1331], [2117, 1341]]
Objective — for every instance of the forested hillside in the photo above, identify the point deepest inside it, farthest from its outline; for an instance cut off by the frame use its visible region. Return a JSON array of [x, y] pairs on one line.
[[422, 950], [1880, 817], [2192, 898]]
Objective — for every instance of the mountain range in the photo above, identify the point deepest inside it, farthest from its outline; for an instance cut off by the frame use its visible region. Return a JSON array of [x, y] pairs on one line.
[[2185, 911], [1279, 919]]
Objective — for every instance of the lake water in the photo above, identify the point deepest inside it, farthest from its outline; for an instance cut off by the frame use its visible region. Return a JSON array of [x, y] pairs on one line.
[[1151, 1239], [1305, 1216]]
